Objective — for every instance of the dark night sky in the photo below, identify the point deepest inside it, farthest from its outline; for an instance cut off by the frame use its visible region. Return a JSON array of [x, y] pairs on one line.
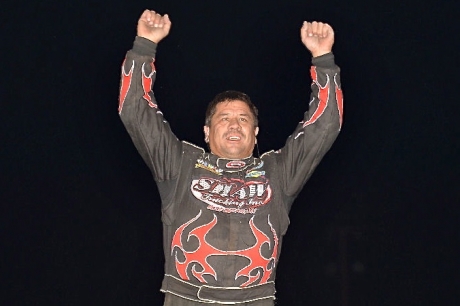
[[80, 214]]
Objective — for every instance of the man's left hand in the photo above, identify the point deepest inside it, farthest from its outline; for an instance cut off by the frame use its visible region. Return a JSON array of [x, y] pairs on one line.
[[318, 37]]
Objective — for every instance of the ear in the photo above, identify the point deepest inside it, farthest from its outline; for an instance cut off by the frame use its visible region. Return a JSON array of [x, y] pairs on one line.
[[206, 133], [256, 131]]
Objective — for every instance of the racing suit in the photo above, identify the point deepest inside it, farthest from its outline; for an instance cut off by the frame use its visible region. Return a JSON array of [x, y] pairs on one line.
[[224, 220]]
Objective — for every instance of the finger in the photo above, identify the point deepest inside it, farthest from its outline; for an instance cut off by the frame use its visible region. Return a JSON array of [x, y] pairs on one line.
[[303, 30], [308, 29], [324, 30], [144, 15], [157, 20], [165, 22], [304, 26], [149, 15], [314, 28], [166, 19], [319, 28], [162, 21], [330, 31]]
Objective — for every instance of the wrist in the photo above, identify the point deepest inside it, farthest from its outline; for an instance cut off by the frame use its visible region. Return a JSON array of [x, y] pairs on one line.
[[144, 46], [320, 53], [324, 61]]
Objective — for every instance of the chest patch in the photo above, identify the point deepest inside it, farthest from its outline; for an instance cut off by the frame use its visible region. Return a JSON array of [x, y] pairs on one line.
[[235, 164], [232, 195]]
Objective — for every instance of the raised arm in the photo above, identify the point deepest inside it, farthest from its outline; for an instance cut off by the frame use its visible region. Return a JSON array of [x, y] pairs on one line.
[[321, 124], [138, 108]]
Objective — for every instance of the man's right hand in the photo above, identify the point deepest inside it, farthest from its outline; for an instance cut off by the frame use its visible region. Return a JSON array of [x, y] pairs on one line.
[[153, 26]]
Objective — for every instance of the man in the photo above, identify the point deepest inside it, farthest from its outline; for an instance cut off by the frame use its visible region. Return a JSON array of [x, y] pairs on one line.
[[225, 212]]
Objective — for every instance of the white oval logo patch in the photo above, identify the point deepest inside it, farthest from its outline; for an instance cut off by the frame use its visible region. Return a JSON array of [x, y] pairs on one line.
[[235, 164]]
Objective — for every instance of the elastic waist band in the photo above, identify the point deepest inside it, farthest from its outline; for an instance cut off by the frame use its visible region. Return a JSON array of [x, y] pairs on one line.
[[223, 295]]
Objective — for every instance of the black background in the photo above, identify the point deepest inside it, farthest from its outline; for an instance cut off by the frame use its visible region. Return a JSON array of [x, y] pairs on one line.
[[377, 224]]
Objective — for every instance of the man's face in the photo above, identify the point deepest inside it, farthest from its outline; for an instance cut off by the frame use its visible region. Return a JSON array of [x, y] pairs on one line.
[[232, 133]]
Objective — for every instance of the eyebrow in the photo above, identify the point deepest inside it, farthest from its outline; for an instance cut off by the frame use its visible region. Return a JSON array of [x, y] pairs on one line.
[[226, 114]]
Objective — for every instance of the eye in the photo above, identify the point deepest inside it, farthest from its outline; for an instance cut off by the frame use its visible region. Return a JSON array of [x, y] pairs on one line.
[[243, 119]]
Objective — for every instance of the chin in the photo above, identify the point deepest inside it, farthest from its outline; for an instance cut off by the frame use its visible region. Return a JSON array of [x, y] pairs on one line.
[[239, 155]]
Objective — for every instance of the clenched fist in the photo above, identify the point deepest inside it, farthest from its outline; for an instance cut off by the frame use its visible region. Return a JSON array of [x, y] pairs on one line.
[[153, 26], [318, 37]]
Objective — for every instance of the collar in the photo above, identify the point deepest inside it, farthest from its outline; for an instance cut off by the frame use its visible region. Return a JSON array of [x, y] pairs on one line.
[[232, 165]]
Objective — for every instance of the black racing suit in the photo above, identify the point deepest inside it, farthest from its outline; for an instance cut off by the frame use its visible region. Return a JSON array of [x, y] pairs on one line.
[[224, 220]]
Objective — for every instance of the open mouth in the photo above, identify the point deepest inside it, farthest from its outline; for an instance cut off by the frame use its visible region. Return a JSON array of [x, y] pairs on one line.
[[233, 138]]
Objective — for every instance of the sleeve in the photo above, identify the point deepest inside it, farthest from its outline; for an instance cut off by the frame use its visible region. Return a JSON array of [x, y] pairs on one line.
[[139, 112], [320, 126]]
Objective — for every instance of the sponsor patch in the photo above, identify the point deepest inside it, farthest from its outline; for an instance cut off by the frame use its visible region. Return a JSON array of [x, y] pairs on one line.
[[200, 163], [255, 174], [235, 164], [232, 195]]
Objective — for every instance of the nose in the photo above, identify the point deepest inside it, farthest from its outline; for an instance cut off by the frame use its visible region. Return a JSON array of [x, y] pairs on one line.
[[234, 124]]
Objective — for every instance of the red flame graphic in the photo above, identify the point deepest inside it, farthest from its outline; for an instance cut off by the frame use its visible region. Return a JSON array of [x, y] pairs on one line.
[[147, 82], [323, 96], [200, 256], [339, 98], [125, 84]]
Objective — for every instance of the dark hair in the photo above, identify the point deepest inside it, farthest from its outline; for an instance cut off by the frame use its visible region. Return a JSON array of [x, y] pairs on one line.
[[227, 96]]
